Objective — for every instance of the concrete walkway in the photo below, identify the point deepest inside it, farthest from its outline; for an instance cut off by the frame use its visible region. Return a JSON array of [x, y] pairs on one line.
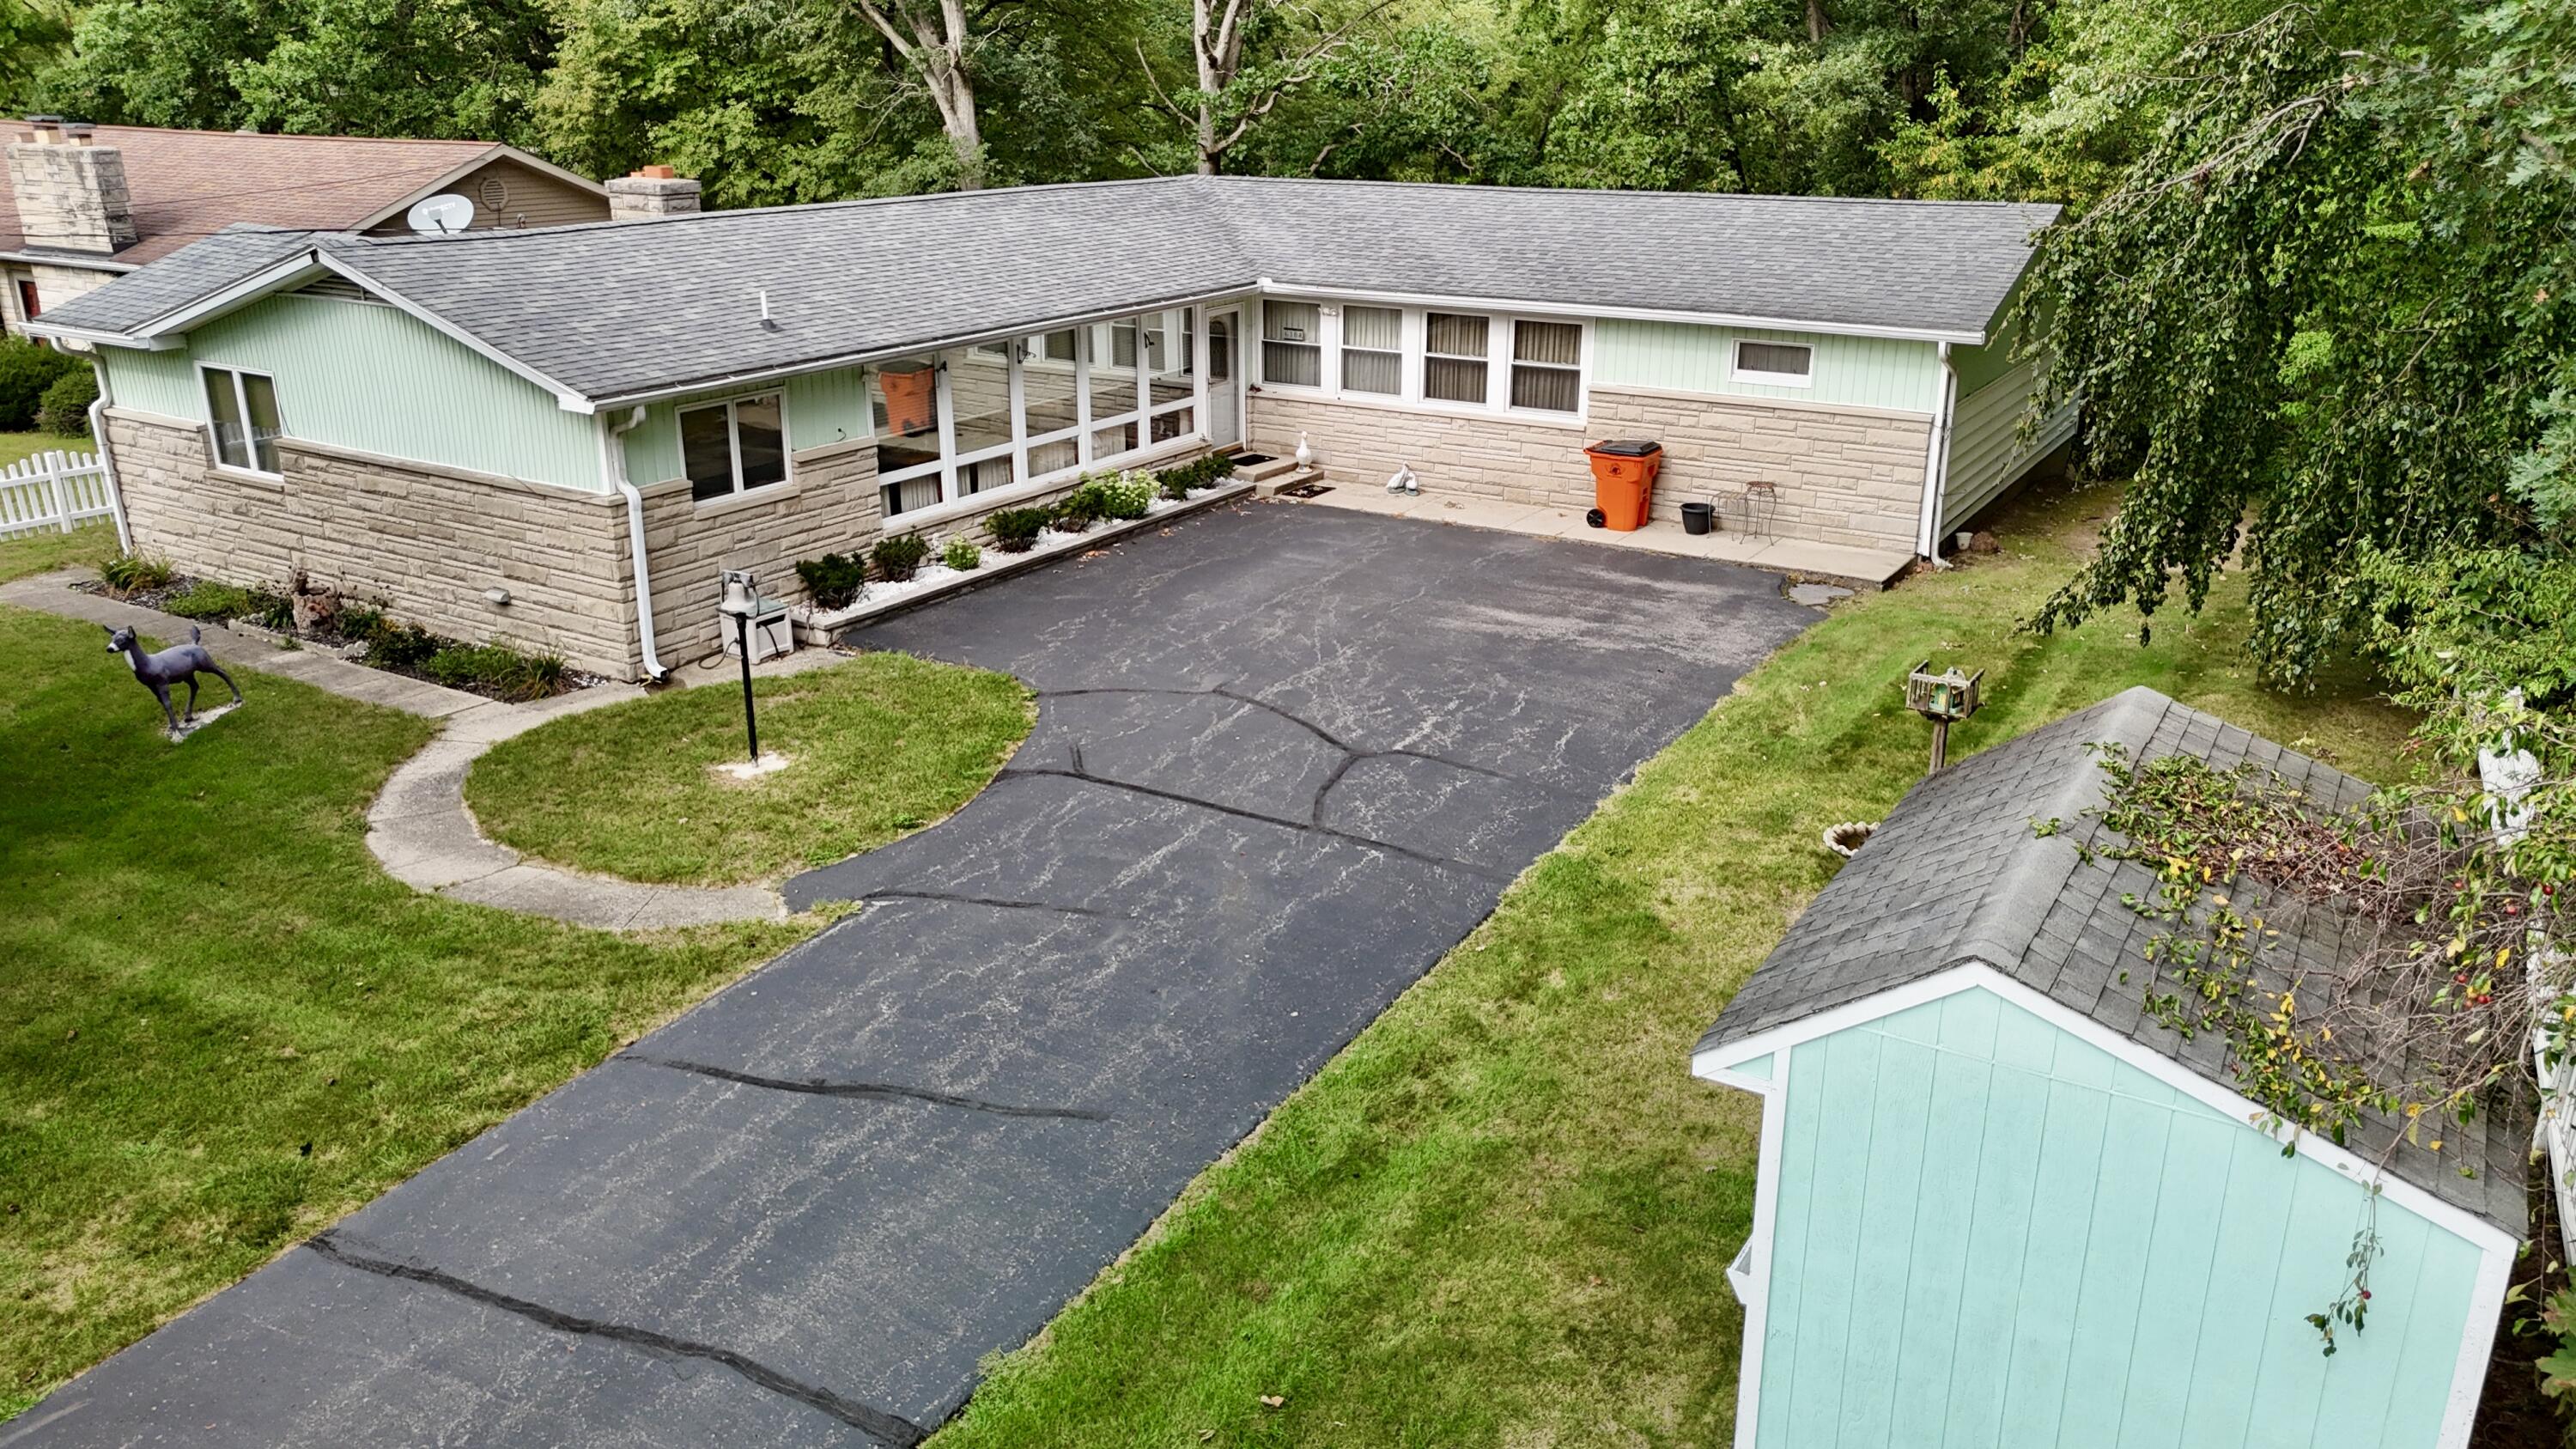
[[419, 827]]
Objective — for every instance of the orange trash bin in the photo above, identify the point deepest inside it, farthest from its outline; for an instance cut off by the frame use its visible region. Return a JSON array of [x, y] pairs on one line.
[[1623, 482]]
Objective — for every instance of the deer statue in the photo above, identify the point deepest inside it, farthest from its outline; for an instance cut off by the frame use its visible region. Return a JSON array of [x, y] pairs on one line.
[[178, 662]]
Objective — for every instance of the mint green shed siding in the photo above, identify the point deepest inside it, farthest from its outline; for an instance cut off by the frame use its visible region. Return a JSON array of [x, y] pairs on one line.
[[1872, 372], [372, 377], [1988, 1231]]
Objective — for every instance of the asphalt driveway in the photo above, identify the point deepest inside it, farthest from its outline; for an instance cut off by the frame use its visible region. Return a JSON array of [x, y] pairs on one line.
[[1286, 757]]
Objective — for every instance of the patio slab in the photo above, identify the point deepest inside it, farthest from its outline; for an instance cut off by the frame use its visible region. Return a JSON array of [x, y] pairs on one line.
[[1285, 759], [1871, 568]]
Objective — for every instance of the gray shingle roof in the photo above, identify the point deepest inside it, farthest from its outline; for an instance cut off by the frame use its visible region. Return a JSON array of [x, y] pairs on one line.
[[613, 309], [1957, 874]]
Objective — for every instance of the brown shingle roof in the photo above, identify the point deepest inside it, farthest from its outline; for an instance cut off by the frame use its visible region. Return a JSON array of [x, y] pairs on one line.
[[187, 185]]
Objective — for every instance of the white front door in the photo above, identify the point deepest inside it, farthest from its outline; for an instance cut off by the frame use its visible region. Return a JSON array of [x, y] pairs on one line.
[[1225, 379]]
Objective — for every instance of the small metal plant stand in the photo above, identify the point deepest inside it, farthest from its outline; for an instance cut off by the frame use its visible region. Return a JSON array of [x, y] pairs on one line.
[[1755, 506], [1945, 699]]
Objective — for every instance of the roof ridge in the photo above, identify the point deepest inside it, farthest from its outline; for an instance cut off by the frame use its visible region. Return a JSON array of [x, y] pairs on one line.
[[299, 136], [1778, 196]]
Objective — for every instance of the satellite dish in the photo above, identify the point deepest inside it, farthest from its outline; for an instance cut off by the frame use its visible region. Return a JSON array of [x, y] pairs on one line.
[[438, 215]]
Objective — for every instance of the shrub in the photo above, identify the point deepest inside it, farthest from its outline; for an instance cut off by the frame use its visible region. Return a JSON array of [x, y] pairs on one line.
[[1079, 509], [207, 600], [64, 407], [496, 668], [272, 611], [835, 580], [395, 646], [899, 557], [1174, 483], [26, 370], [961, 555], [1128, 496], [1016, 529], [134, 573]]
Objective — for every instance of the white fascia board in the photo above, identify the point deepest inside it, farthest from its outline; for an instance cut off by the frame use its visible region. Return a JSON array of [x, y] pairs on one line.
[[732, 380], [41, 328], [1972, 974], [68, 262], [1272, 286], [566, 398]]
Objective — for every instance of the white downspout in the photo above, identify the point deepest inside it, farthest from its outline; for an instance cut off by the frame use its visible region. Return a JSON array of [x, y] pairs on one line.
[[106, 459], [1936, 463], [612, 467]]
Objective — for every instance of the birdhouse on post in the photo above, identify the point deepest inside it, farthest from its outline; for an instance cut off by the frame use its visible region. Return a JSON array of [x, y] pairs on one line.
[[1945, 699]]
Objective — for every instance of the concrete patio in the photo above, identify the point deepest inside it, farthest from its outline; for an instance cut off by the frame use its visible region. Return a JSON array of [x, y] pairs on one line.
[[1869, 568]]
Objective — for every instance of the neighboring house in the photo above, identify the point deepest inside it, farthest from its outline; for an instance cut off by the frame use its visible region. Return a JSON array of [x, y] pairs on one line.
[[587, 422], [85, 204], [1998, 1203]]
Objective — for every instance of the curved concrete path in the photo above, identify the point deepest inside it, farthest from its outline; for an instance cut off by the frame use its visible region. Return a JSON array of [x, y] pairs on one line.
[[425, 837], [1285, 758]]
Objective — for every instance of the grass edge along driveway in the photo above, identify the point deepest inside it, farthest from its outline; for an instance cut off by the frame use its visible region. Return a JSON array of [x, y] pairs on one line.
[[1503, 1214], [222, 1027]]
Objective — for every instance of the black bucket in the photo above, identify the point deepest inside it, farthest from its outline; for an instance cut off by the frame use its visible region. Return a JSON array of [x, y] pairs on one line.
[[1698, 517]]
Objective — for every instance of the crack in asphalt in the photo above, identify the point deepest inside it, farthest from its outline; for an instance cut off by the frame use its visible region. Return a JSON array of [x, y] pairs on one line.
[[887, 1428], [825, 1087], [1351, 754], [1303, 827], [997, 903]]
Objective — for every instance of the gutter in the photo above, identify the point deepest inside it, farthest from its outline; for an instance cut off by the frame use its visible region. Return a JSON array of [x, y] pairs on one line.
[[1936, 463], [612, 470], [106, 458]]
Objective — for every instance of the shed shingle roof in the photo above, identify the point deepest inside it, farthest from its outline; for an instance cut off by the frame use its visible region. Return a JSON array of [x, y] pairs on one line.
[[615, 309], [1957, 874]]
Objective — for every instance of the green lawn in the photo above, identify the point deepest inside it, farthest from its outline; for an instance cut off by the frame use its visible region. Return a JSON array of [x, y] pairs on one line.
[[879, 745], [37, 553], [14, 446], [1503, 1215], [221, 1026]]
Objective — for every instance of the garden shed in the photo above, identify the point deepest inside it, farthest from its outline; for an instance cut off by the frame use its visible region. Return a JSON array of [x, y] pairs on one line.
[[2000, 1203]]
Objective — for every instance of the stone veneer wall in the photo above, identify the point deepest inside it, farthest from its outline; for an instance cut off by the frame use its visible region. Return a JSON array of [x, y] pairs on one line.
[[428, 541], [425, 540], [830, 507], [1845, 476]]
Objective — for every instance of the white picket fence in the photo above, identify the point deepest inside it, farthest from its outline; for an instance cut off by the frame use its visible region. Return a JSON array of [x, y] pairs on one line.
[[53, 490]]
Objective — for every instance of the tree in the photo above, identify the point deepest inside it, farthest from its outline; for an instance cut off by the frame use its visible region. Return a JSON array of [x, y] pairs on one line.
[[934, 38], [1233, 93], [2322, 314]]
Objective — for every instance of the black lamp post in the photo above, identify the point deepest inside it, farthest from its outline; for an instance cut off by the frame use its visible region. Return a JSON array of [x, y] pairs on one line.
[[742, 600]]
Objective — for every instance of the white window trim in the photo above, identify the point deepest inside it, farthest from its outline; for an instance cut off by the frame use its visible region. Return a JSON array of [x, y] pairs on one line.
[[1140, 415], [1326, 342], [733, 442], [1415, 362], [1736, 371], [241, 400], [1402, 354]]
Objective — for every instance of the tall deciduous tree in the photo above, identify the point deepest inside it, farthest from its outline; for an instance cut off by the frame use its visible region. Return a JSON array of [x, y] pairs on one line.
[[1233, 93], [2323, 314], [935, 39]]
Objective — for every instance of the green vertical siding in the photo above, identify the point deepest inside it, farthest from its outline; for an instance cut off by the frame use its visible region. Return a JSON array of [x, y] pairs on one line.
[[1988, 1231], [1849, 371], [822, 408], [372, 377]]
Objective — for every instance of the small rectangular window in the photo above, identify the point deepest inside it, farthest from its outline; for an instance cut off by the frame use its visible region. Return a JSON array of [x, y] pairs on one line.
[[1547, 366], [1292, 348], [733, 447], [1373, 350], [1453, 357], [1781, 363], [243, 408]]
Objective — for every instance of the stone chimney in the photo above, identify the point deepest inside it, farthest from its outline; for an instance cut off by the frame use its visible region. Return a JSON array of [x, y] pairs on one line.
[[652, 191], [70, 191]]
